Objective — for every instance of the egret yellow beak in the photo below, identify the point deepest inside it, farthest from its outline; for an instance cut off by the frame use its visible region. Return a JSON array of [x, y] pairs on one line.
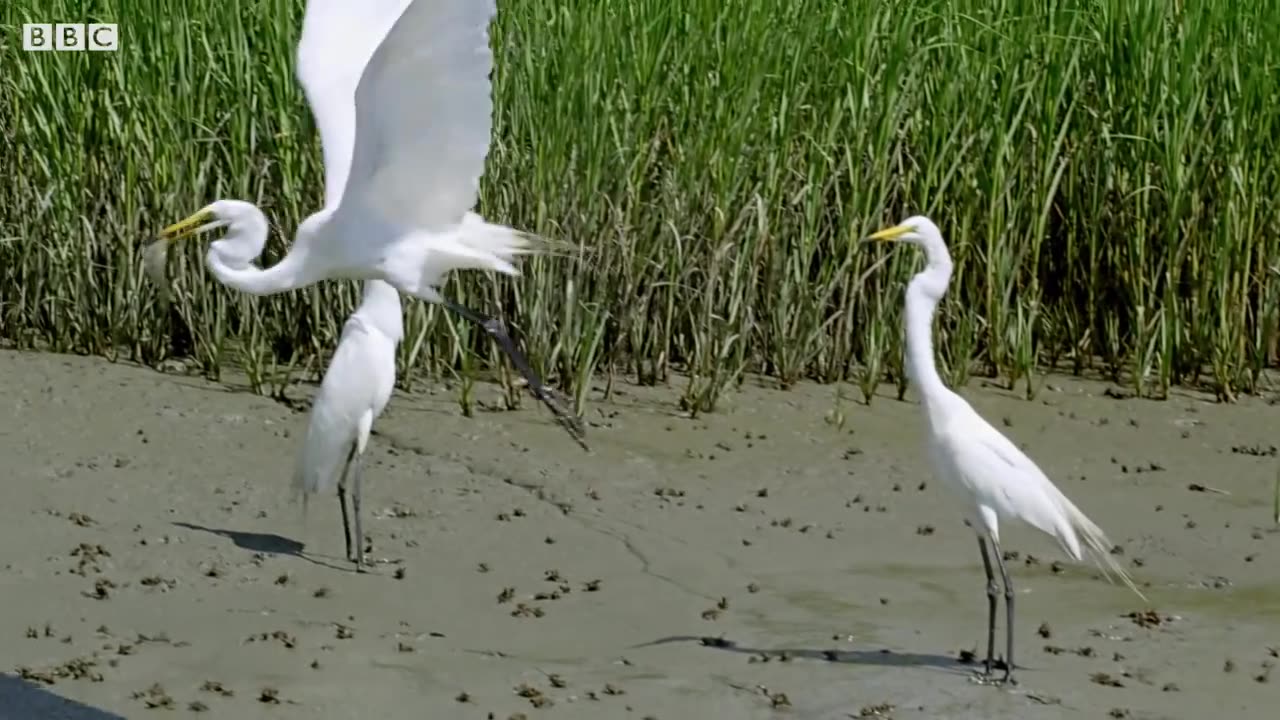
[[203, 219], [890, 234]]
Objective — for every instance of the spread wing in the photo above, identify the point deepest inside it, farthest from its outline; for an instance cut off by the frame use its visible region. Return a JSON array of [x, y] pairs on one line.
[[423, 116], [338, 38]]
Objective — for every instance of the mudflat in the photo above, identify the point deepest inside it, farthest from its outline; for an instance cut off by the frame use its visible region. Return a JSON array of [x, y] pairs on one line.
[[787, 556]]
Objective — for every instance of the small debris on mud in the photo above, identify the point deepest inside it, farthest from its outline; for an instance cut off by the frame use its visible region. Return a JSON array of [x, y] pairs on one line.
[[1148, 618], [1105, 679]]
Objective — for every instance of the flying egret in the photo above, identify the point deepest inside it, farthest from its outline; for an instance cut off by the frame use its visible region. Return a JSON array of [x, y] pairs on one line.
[[354, 392], [400, 93], [995, 478]]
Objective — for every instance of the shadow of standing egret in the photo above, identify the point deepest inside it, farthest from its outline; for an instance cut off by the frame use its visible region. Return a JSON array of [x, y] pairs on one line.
[[265, 543], [883, 657]]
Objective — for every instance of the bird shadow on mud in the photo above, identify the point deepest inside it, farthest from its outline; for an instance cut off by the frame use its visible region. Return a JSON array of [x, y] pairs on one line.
[[299, 404], [266, 543], [882, 658]]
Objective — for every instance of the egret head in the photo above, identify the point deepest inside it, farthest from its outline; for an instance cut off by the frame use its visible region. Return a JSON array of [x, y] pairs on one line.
[[917, 230], [246, 230], [920, 231], [245, 238]]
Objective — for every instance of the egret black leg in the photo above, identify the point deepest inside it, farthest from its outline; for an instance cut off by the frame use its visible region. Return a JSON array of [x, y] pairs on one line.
[[571, 423], [355, 502], [1008, 606], [346, 523], [991, 607], [342, 501]]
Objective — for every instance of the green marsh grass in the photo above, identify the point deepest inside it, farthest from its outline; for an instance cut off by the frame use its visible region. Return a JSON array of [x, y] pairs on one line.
[[1106, 172]]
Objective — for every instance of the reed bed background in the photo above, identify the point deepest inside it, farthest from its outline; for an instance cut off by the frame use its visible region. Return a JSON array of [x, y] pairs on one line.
[[1106, 173]]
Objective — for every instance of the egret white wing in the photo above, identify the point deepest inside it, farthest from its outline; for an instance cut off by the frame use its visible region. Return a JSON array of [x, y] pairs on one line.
[[1020, 489], [1003, 478], [338, 38], [424, 116]]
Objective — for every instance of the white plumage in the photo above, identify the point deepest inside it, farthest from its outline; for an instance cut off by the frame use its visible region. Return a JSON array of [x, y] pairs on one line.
[[400, 93], [355, 390], [995, 480], [1006, 484]]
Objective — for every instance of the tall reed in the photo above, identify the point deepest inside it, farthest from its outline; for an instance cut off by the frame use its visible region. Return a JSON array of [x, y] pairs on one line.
[[1105, 171]]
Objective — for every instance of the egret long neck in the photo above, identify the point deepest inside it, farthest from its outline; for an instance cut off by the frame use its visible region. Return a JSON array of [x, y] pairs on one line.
[[288, 274], [923, 295], [231, 258], [380, 307]]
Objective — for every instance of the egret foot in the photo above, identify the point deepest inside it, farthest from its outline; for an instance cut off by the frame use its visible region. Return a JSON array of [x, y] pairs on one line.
[[987, 676], [559, 405]]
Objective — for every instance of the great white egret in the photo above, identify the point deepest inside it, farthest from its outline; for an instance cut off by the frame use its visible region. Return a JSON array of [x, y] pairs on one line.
[[995, 479], [400, 93], [355, 390]]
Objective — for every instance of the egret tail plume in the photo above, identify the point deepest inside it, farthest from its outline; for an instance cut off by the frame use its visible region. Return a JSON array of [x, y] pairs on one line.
[[508, 243], [1097, 545], [482, 245]]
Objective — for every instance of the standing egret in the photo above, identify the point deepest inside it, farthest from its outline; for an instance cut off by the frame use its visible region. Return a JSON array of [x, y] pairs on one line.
[[400, 93], [995, 478], [354, 392]]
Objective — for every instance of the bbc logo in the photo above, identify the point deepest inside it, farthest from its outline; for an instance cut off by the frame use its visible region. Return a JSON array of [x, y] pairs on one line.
[[70, 36]]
